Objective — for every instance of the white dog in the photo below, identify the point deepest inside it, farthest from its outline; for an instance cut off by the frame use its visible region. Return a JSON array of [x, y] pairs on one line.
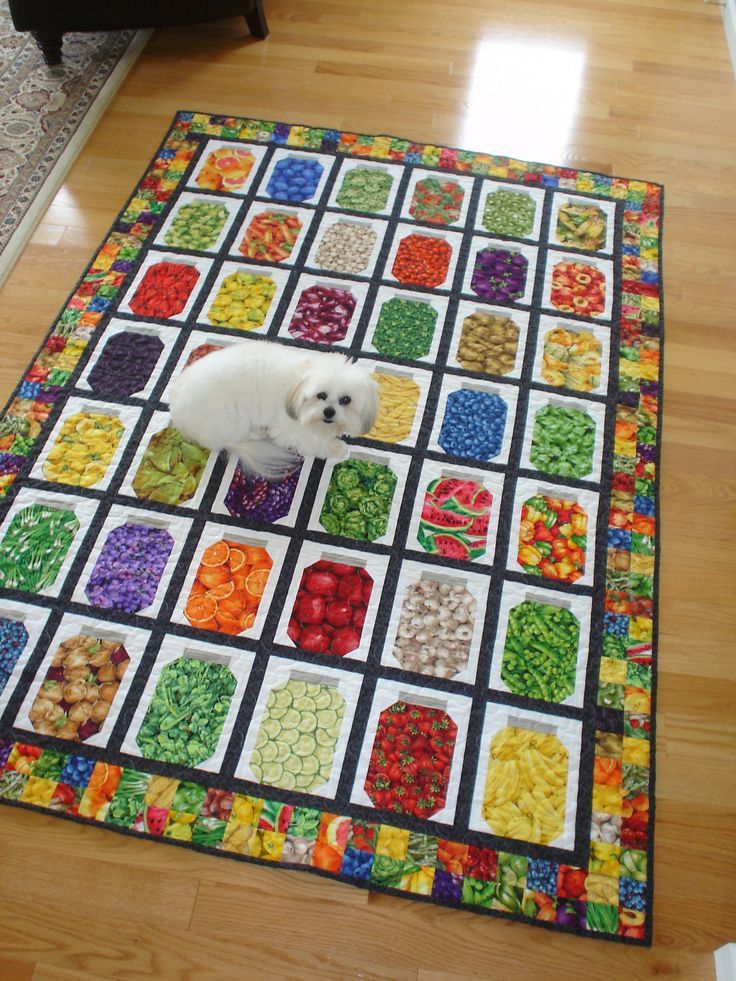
[[266, 402]]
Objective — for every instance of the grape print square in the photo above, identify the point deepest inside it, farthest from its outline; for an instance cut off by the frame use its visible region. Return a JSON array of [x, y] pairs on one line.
[[428, 668]]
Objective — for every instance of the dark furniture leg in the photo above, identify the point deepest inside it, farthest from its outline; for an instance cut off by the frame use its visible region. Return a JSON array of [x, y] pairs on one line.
[[256, 20], [50, 44]]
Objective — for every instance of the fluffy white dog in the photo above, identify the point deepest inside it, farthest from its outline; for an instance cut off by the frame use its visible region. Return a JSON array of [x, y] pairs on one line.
[[269, 404]]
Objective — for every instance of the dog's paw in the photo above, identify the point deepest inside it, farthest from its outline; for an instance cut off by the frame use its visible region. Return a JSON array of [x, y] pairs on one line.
[[336, 450]]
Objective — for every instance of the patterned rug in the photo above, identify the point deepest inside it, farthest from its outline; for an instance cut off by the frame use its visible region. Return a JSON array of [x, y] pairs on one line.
[[426, 669], [42, 109]]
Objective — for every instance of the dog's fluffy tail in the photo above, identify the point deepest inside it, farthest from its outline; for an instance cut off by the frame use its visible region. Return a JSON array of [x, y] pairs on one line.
[[265, 459]]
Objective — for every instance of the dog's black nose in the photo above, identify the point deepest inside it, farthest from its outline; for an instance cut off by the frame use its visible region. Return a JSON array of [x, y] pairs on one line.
[[328, 413]]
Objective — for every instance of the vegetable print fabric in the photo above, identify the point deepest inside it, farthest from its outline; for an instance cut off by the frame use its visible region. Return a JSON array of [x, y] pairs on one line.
[[426, 669]]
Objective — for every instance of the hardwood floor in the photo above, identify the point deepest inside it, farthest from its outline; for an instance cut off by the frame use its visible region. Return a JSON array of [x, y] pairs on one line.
[[638, 88]]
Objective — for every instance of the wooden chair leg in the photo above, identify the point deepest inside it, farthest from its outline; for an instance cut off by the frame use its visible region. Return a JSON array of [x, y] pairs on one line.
[[50, 44], [256, 20]]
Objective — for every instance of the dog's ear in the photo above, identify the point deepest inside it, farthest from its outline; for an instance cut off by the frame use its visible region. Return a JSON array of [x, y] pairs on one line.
[[371, 404], [295, 396]]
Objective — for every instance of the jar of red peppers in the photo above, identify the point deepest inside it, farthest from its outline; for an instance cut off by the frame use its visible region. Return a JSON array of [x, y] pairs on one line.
[[422, 260]]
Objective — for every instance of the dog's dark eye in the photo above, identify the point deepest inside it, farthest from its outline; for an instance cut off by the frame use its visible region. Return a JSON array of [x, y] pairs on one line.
[[345, 400], [322, 396]]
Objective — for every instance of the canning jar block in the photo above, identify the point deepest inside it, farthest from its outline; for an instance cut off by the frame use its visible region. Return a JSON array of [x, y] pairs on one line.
[[170, 469], [294, 179], [323, 314], [187, 712], [297, 738], [164, 289], [196, 226], [226, 169], [405, 328], [578, 287], [540, 651], [563, 441], [125, 364], [399, 399], [75, 696], [437, 200], [365, 189], [583, 226], [258, 499], [473, 424], [455, 518], [346, 247], [83, 449], [35, 546], [330, 608], [13, 640], [572, 358], [242, 301], [201, 351], [509, 213], [499, 275], [228, 586], [488, 344], [552, 538], [411, 759], [435, 628], [129, 568], [526, 785], [358, 500], [422, 260], [271, 236]]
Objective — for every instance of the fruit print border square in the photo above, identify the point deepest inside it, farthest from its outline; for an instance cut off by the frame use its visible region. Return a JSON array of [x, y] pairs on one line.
[[463, 869], [168, 337], [240, 664], [176, 526], [209, 146], [281, 670], [133, 639], [457, 706]]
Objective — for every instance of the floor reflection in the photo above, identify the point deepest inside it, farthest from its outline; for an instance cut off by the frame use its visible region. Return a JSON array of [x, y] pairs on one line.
[[523, 100]]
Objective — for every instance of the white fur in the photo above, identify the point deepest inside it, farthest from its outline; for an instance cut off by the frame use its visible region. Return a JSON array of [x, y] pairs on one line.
[[259, 400]]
